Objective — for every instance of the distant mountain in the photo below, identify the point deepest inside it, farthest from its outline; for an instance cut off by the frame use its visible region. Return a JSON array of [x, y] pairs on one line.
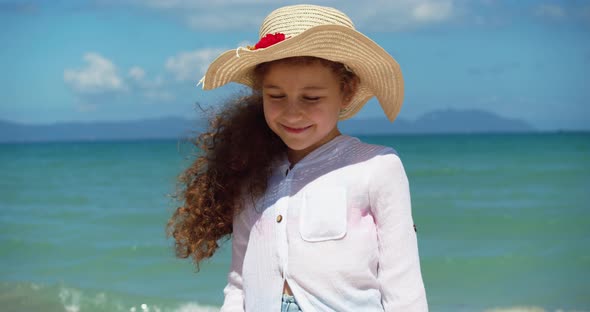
[[442, 121], [162, 128], [460, 121]]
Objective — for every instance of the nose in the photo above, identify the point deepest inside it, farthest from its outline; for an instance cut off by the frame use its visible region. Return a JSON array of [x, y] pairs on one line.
[[292, 109]]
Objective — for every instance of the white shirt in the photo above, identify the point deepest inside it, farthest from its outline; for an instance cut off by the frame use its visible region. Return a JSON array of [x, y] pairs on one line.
[[337, 227]]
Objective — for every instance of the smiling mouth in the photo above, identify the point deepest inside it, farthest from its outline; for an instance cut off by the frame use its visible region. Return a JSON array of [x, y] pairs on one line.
[[295, 130]]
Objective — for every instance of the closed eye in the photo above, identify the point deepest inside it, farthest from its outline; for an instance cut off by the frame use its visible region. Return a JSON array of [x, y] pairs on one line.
[[276, 96], [311, 98]]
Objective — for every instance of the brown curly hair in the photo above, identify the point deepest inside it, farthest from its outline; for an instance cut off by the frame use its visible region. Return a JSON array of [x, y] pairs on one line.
[[235, 161]]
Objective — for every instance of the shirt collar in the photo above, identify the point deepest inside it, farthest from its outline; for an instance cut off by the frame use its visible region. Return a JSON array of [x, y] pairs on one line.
[[321, 153]]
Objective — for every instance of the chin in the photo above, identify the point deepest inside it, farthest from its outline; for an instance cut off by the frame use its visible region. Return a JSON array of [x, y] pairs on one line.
[[297, 147]]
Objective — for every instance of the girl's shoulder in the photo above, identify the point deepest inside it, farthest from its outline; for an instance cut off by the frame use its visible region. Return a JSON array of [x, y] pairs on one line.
[[355, 150]]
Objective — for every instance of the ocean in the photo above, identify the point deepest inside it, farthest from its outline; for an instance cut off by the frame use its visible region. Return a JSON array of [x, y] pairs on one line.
[[503, 224]]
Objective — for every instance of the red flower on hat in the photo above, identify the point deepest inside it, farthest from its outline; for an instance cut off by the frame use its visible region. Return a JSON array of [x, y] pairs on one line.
[[268, 40]]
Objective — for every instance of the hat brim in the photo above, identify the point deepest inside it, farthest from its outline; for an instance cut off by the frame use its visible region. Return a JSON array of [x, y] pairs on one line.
[[380, 75]]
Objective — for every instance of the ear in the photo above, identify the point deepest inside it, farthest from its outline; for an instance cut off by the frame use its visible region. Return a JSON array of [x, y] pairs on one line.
[[348, 92], [346, 99]]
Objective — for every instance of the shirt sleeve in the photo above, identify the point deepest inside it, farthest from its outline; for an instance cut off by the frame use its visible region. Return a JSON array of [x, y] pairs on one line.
[[233, 291], [399, 274]]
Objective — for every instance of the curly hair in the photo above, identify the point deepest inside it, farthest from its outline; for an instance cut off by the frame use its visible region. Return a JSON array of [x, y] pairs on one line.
[[237, 151]]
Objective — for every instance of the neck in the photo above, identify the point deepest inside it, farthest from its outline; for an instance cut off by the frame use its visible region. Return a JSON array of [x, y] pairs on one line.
[[294, 156]]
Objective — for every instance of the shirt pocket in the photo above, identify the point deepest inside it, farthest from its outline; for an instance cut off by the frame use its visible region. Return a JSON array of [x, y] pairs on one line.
[[323, 215]]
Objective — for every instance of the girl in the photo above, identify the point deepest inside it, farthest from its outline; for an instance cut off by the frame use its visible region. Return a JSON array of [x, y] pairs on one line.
[[319, 220]]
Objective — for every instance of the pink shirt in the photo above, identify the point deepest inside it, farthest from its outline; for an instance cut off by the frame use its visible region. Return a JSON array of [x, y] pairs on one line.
[[337, 227]]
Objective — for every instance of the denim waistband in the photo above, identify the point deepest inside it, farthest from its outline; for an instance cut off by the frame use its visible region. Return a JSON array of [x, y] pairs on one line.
[[288, 298]]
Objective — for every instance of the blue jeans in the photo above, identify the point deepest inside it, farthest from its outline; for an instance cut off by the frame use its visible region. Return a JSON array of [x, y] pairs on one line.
[[289, 304]]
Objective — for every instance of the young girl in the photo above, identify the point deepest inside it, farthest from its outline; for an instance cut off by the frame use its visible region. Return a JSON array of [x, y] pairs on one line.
[[319, 220]]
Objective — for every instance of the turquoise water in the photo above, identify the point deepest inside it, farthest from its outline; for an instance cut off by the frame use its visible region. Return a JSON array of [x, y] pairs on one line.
[[503, 223]]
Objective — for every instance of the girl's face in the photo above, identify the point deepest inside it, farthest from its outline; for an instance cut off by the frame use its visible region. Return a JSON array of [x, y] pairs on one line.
[[301, 105]]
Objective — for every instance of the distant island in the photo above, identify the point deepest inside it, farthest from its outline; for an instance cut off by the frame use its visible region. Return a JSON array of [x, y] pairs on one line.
[[440, 121]]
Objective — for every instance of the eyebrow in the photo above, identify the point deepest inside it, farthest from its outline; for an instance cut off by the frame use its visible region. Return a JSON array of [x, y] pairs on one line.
[[269, 86]]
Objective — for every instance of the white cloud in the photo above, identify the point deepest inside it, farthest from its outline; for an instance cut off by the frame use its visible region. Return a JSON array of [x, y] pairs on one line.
[[191, 65], [137, 73], [225, 20], [171, 4], [400, 15], [158, 96], [433, 11], [368, 15], [195, 4], [156, 82], [248, 14], [99, 75], [550, 10], [98, 83]]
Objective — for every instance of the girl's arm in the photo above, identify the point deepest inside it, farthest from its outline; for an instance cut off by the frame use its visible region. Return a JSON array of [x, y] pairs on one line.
[[399, 272], [234, 293]]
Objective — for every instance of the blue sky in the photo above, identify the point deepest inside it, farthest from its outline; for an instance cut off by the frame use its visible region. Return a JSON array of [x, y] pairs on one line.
[[131, 59]]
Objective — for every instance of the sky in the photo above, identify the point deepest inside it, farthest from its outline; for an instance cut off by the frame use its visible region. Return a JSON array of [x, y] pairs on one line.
[[112, 60]]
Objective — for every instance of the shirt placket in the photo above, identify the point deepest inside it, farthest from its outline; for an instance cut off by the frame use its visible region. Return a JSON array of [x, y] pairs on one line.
[[281, 215]]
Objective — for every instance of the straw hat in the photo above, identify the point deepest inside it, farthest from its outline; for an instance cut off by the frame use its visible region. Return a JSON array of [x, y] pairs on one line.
[[323, 32]]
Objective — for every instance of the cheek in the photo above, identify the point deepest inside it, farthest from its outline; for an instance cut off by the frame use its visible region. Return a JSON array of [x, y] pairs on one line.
[[269, 112], [331, 110]]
